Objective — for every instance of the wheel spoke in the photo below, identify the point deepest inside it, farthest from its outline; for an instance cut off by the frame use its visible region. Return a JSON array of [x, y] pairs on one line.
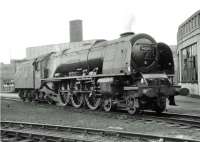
[[24, 96], [21, 95], [107, 104], [131, 106], [29, 96], [65, 98], [77, 100], [160, 105], [92, 101]]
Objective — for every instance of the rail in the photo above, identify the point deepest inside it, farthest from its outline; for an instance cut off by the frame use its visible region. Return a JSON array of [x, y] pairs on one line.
[[19, 130]]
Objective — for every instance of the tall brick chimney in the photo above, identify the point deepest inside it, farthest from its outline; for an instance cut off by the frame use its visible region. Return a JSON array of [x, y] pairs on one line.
[[75, 27]]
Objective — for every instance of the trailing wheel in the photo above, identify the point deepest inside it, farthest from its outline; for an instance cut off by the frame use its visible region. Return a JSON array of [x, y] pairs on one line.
[[25, 95], [29, 96], [107, 104], [77, 100], [21, 95], [65, 98], [92, 101], [33, 95], [132, 105]]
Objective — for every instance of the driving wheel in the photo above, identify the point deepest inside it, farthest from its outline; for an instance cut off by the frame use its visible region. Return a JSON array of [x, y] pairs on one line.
[[65, 98], [92, 101], [77, 100]]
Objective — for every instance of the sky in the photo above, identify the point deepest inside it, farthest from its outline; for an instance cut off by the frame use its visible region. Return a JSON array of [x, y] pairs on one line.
[[28, 23]]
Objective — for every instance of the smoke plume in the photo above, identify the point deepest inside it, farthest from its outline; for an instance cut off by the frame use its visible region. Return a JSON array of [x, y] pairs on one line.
[[129, 25]]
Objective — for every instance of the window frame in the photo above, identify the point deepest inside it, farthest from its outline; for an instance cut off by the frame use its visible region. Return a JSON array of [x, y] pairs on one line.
[[189, 67]]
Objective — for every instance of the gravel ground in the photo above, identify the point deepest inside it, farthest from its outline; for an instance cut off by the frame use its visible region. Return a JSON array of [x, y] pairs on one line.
[[43, 113], [186, 104]]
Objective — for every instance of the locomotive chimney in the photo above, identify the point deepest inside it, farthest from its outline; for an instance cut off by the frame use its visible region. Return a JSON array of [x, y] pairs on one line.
[[75, 30]]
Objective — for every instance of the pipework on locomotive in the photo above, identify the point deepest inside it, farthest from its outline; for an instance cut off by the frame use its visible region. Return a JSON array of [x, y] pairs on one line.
[[131, 72]]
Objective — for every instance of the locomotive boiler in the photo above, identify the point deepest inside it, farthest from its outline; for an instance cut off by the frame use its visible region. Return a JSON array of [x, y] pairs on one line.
[[131, 72]]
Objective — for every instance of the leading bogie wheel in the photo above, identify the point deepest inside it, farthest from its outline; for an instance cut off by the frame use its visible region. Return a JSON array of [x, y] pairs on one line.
[[160, 104], [107, 104], [132, 107]]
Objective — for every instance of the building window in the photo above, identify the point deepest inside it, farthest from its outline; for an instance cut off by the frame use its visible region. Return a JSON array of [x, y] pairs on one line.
[[195, 23], [186, 27], [189, 64], [191, 25], [199, 19]]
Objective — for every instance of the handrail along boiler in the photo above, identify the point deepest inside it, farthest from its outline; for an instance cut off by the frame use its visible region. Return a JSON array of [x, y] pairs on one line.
[[130, 72]]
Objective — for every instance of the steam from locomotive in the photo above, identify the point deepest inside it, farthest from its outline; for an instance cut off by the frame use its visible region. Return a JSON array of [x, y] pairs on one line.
[[130, 72]]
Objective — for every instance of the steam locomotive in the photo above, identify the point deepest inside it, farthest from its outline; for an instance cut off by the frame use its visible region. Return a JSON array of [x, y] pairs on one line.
[[131, 72]]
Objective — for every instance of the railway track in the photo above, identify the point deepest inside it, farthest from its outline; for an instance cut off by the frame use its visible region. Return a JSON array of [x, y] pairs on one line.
[[27, 132], [173, 119], [191, 121]]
